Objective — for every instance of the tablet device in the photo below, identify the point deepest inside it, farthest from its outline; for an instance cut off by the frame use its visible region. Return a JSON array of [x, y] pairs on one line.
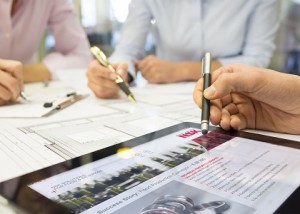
[[178, 170]]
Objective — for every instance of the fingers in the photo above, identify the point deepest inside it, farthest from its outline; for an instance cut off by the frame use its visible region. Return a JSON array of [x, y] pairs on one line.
[[238, 122], [104, 92], [149, 69], [10, 87], [232, 93], [102, 81], [14, 68], [215, 114], [145, 64], [227, 111], [98, 71], [5, 96], [198, 92], [122, 70], [235, 78], [216, 105]]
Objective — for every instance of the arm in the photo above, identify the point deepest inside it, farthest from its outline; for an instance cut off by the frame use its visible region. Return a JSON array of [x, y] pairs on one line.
[[133, 35], [259, 45], [130, 48], [71, 44], [156, 70], [249, 97], [36, 73]]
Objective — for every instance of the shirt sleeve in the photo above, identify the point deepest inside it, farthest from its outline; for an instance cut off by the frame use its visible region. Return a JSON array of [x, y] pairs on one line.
[[133, 36], [71, 44], [260, 35]]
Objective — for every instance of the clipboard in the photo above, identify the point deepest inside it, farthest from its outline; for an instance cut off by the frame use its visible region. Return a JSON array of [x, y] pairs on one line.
[[182, 131], [36, 107]]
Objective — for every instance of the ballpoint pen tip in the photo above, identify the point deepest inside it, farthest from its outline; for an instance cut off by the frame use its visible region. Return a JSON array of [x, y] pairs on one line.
[[131, 97], [24, 96]]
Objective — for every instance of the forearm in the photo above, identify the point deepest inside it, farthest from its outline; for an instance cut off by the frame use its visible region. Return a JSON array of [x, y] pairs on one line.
[[192, 71], [36, 73]]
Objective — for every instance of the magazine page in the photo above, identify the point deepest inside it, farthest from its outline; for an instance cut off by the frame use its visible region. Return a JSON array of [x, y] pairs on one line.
[[184, 172]]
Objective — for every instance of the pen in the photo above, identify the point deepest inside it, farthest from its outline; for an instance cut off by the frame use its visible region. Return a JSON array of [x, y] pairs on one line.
[[100, 56], [206, 72], [24, 96]]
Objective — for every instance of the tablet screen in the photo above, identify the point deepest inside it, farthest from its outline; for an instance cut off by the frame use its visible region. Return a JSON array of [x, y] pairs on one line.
[[178, 171]]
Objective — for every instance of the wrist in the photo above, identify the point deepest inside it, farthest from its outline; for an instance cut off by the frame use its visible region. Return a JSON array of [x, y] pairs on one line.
[[36, 73], [188, 71]]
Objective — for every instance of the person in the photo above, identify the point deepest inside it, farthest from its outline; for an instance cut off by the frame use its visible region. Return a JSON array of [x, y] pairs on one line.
[[22, 28], [183, 32], [11, 81], [245, 97]]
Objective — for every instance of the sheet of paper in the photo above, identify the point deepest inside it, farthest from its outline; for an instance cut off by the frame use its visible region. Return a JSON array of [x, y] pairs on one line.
[[23, 153], [232, 177], [38, 95], [75, 78]]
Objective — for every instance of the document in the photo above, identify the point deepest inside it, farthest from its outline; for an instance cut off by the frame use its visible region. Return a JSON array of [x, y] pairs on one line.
[[42, 101], [211, 173], [23, 153]]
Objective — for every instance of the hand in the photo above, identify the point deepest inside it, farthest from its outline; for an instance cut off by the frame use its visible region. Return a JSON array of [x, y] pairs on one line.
[[248, 97], [11, 81], [102, 81], [156, 70]]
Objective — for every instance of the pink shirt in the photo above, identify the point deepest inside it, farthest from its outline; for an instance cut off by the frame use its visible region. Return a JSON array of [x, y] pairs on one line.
[[20, 35]]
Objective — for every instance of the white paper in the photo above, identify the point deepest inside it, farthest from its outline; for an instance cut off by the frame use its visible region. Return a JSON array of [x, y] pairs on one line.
[[38, 95]]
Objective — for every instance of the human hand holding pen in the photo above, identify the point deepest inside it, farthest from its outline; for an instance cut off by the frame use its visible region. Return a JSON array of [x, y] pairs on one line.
[[102, 81], [11, 81], [256, 98], [122, 84]]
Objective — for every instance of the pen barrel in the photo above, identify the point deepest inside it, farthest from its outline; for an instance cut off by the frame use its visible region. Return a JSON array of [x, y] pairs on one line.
[[205, 103], [124, 88]]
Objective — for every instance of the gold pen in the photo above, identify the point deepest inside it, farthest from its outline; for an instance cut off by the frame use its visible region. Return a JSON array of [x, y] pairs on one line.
[[100, 56]]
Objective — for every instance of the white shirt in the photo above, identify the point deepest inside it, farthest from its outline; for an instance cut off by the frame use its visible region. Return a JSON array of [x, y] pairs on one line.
[[234, 31]]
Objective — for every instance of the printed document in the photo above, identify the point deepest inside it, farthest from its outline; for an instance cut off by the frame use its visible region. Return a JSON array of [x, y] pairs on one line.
[[211, 173]]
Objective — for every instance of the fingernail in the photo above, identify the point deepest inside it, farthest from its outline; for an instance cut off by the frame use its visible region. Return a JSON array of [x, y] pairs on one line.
[[210, 91]]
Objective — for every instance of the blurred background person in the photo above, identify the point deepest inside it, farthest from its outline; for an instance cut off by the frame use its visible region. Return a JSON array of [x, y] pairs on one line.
[[183, 31], [22, 27]]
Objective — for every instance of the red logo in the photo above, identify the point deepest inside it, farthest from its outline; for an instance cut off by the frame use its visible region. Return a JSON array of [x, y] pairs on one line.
[[189, 134]]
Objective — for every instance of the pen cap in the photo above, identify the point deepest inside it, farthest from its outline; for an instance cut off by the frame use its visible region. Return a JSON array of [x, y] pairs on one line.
[[206, 64]]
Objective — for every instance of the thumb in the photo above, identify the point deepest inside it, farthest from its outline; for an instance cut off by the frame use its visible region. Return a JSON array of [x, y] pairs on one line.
[[225, 84]]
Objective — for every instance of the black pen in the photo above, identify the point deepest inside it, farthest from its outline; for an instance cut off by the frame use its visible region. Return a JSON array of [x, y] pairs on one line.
[[206, 72]]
